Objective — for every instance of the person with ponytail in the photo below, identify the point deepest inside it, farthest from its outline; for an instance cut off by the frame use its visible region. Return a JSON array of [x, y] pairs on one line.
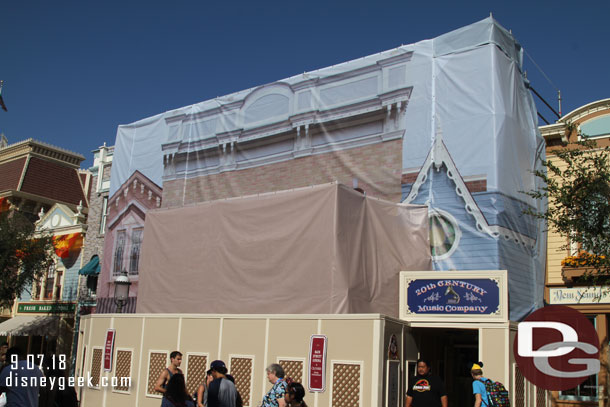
[[478, 385], [294, 394]]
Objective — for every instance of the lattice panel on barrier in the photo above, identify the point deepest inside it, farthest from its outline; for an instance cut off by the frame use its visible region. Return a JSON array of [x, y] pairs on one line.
[[122, 369], [156, 364], [540, 397], [346, 385], [195, 374], [241, 370], [96, 367], [293, 369], [519, 388]]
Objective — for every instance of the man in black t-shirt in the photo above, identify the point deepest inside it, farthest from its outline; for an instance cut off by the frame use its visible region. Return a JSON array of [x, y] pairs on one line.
[[425, 389], [221, 392]]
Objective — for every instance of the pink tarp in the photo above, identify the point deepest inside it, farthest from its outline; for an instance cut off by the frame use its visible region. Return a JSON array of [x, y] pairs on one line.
[[323, 249]]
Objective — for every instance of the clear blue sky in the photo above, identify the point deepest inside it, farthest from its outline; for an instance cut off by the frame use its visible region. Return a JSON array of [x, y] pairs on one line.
[[74, 70]]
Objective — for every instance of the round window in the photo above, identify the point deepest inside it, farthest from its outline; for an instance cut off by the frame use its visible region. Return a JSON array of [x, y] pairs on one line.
[[444, 234]]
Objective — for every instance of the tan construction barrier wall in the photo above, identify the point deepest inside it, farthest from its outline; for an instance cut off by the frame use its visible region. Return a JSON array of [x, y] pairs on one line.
[[356, 364]]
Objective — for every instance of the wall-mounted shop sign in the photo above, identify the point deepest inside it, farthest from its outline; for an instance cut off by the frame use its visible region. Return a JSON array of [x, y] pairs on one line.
[[317, 363], [579, 295], [41, 308], [479, 295], [109, 349]]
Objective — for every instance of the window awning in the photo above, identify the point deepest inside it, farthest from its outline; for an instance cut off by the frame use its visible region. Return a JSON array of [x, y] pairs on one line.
[[92, 268], [23, 325]]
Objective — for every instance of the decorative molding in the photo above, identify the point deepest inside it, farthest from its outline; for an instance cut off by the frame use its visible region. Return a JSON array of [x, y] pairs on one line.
[[38, 148], [438, 156], [300, 114]]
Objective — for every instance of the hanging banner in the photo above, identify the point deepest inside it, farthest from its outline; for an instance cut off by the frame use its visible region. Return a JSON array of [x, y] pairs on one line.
[[317, 363], [109, 349], [65, 243]]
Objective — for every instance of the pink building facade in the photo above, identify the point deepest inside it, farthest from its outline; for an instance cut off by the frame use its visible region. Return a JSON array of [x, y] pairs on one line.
[[127, 209]]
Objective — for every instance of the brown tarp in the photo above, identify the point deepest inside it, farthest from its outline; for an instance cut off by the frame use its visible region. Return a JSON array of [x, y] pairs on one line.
[[317, 250]]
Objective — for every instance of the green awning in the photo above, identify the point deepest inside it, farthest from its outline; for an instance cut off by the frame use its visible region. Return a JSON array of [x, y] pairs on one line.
[[92, 268]]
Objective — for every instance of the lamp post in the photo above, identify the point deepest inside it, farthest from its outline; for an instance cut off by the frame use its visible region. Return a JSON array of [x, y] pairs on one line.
[[121, 290]]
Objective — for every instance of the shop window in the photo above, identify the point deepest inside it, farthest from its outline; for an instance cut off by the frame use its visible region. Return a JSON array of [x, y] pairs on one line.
[[49, 283], [118, 253], [91, 285], [587, 390], [37, 290], [134, 255], [58, 276], [444, 234], [104, 215]]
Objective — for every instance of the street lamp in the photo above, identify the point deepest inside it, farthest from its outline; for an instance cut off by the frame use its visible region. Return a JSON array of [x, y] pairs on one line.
[[121, 290]]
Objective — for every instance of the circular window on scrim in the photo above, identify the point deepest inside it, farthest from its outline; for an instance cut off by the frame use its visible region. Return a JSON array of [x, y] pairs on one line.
[[444, 234]]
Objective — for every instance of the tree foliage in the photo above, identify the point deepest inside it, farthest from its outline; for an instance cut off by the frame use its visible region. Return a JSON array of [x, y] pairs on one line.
[[24, 255], [577, 185]]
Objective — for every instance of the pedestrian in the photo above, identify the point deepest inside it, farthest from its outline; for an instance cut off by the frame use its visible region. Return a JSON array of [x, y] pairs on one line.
[[53, 393], [202, 391], [426, 389], [17, 368], [176, 394], [294, 394], [221, 392], [238, 400], [478, 385], [175, 359], [275, 396]]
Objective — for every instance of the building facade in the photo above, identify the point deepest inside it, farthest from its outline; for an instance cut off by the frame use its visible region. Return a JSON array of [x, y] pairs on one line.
[[447, 123], [45, 184], [563, 286]]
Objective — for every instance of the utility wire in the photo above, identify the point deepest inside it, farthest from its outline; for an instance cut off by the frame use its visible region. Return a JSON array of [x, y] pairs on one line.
[[540, 69]]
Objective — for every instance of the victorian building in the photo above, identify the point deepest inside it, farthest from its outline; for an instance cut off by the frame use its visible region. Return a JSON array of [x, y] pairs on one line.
[[44, 183], [564, 283]]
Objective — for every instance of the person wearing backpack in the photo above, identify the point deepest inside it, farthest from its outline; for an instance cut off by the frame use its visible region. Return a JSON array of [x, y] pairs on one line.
[[487, 393], [478, 386]]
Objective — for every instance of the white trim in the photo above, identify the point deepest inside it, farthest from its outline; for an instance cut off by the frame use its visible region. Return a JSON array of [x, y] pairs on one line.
[[266, 353], [346, 362], [378, 358], [252, 375], [116, 352], [150, 351], [585, 110], [220, 330], [438, 156], [179, 333], [140, 361]]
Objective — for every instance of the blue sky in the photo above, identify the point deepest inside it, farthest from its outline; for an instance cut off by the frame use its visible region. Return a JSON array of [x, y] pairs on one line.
[[74, 70]]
